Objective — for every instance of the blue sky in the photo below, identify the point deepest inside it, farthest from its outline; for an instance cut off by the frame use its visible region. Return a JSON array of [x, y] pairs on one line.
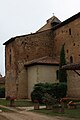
[[18, 17]]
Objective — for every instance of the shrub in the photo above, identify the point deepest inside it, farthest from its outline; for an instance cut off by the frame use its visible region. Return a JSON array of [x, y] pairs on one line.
[[60, 90], [55, 90], [36, 95], [48, 99], [2, 92]]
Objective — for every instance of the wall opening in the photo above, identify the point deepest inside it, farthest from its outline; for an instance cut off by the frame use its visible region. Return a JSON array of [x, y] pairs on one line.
[[57, 74], [71, 59], [10, 57], [69, 31]]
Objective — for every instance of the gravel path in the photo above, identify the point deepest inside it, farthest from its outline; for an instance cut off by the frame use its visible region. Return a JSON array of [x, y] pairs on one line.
[[3, 118], [23, 115]]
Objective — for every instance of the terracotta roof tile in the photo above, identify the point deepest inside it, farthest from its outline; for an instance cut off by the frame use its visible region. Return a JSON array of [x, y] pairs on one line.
[[2, 80], [43, 60]]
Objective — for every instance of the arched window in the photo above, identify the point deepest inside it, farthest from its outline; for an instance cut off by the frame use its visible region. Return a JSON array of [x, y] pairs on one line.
[[71, 59]]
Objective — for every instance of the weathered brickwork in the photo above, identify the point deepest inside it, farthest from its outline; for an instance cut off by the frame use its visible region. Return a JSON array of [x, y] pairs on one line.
[[72, 50], [22, 49], [62, 35], [70, 36], [34, 46]]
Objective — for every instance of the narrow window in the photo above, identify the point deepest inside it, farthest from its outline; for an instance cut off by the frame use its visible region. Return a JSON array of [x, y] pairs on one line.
[[69, 31], [74, 44], [57, 74], [67, 51], [71, 59], [10, 57]]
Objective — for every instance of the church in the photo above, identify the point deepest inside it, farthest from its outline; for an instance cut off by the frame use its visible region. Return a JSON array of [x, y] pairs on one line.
[[34, 58]]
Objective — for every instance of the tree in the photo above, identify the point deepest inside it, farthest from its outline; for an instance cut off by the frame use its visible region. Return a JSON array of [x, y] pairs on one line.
[[62, 73]]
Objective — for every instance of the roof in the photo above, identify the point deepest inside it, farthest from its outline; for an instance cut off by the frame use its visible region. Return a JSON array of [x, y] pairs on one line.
[[49, 24], [43, 61], [67, 21], [10, 40], [72, 66], [2, 80], [13, 38], [54, 28]]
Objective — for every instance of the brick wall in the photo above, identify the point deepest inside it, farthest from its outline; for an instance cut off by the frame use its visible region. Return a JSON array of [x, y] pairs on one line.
[[70, 36], [33, 46], [22, 49]]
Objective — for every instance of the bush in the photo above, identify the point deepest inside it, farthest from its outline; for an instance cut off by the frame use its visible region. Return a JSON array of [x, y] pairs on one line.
[[56, 90], [48, 99], [38, 92], [59, 90], [36, 95], [2, 92]]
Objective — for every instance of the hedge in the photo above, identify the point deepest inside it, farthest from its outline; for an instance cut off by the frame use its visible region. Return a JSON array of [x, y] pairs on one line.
[[56, 90]]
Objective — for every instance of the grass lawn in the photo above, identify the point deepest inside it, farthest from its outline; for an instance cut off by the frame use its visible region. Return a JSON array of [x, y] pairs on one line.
[[74, 113], [5, 109], [18, 103], [23, 103]]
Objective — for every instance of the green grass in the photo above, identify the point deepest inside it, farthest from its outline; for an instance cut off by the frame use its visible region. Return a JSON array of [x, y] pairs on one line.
[[5, 109], [4, 102], [18, 103], [74, 113], [23, 103]]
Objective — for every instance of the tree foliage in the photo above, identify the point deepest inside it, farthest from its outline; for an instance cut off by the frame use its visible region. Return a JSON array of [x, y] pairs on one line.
[[62, 73]]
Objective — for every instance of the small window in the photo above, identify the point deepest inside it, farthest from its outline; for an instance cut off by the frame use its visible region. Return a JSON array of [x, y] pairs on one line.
[[57, 74], [10, 56], [27, 56], [71, 59], [69, 31], [74, 44], [67, 51]]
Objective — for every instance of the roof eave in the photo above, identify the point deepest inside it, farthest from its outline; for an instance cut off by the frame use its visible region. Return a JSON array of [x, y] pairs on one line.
[[32, 64], [71, 67], [67, 21], [9, 41]]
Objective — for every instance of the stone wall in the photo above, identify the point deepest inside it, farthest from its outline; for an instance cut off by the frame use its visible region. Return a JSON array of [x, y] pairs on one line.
[[37, 45], [34, 46], [21, 50], [11, 71], [41, 74], [72, 51], [69, 35]]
